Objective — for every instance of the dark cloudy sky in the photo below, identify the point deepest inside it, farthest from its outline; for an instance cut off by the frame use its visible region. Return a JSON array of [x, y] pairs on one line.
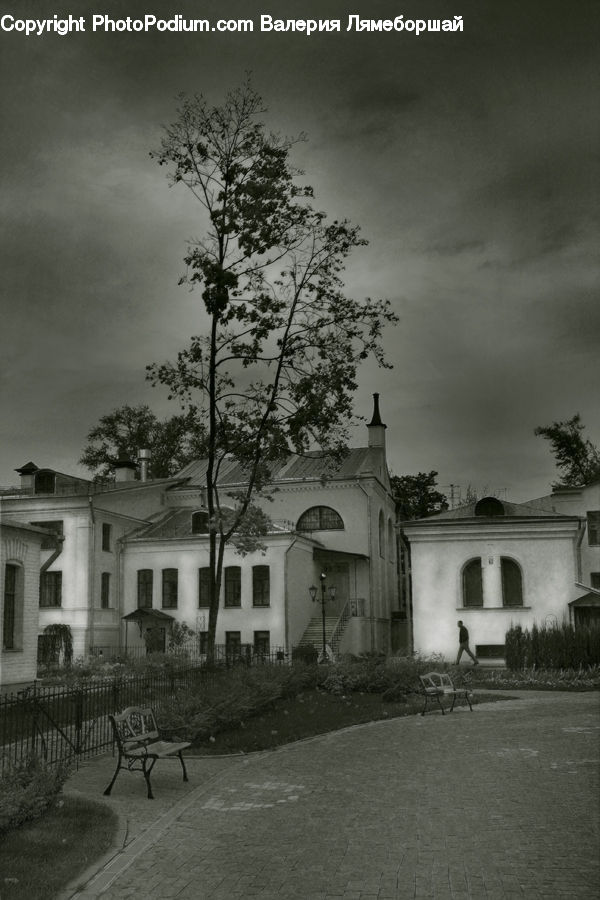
[[467, 158]]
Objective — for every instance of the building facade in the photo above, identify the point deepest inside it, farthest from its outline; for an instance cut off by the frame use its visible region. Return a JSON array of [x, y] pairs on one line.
[[20, 552], [494, 564], [121, 563]]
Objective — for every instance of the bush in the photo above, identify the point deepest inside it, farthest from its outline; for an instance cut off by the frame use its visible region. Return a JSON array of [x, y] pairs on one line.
[[27, 789], [554, 647], [231, 697]]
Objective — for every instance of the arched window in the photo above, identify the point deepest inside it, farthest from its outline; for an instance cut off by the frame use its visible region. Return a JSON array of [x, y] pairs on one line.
[[381, 534], [472, 583], [200, 522], [44, 482], [391, 541], [512, 582], [489, 507], [320, 518]]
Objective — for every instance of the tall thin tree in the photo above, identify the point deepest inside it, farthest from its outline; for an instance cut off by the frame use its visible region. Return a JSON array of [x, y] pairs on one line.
[[275, 370]]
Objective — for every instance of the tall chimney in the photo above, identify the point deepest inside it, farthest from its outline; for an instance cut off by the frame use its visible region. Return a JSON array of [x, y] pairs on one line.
[[144, 457], [27, 473], [124, 468]]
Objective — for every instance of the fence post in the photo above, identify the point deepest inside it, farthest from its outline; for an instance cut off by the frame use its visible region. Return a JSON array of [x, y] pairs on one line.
[[34, 719], [78, 719]]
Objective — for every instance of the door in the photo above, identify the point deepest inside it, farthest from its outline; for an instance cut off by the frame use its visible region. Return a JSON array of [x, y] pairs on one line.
[[338, 575]]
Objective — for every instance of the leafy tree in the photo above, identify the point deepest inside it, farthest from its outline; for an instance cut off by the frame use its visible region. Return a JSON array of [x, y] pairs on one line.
[[275, 369], [577, 459], [174, 441], [416, 495]]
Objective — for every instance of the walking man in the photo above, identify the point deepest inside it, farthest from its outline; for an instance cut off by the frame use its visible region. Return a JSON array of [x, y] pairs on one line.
[[463, 643]]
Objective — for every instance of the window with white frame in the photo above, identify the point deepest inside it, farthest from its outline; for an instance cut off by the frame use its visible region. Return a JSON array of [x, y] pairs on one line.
[[320, 518], [233, 586], [169, 588], [261, 590], [593, 523], [145, 582], [51, 589]]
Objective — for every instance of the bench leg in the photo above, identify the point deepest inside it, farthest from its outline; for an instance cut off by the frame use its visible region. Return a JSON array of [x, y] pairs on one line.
[[437, 697], [180, 754], [114, 778], [147, 769]]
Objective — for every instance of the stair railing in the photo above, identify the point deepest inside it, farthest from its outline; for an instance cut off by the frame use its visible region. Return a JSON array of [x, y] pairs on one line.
[[339, 626]]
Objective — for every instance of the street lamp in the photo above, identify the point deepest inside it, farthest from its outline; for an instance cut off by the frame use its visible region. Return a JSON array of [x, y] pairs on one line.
[[323, 600]]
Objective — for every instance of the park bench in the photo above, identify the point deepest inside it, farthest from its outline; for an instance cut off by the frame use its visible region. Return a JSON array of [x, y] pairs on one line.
[[436, 685], [139, 745]]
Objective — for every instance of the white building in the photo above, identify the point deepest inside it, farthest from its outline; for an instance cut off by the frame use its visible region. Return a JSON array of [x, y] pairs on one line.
[[494, 564], [20, 550], [338, 522], [140, 547], [79, 576]]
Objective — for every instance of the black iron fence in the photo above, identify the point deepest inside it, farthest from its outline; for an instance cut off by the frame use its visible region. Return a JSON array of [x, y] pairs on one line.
[[71, 722], [195, 654]]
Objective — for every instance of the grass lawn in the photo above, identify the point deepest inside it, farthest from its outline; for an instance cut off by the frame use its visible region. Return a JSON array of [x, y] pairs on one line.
[[40, 858], [311, 712]]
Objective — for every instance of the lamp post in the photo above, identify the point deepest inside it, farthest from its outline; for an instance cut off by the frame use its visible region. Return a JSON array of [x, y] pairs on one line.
[[323, 600]]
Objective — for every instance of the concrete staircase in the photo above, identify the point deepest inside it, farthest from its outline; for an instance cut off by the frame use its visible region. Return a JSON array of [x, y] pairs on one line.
[[314, 632]]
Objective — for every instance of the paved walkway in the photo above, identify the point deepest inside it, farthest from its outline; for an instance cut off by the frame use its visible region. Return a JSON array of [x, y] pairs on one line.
[[499, 803]]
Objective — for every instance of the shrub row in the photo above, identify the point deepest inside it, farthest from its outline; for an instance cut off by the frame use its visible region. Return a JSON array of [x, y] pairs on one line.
[[556, 647], [230, 698], [27, 788]]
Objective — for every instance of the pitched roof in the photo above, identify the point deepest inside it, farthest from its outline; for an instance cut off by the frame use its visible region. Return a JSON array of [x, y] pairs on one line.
[[177, 523], [511, 511], [310, 466]]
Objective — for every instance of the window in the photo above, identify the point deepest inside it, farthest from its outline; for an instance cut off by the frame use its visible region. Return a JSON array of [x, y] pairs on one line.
[[233, 643], [391, 541], [56, 525], [472, 583], [595, 579], [200, 523], [381, 534], [44, 482], [144, 588], [51, 589], [261, 588], [169, 588], [13, 607], [262, 643], [320, 518], [593, 523], [105, 590], [489, 507], [512, 583], [204, 586], [233, 586], [106, 536]]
